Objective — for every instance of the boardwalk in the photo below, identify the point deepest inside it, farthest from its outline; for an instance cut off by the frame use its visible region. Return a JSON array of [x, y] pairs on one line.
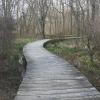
[[49, 77]]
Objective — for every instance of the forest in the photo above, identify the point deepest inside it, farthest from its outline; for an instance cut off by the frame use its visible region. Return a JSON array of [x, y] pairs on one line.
[[23, 21]]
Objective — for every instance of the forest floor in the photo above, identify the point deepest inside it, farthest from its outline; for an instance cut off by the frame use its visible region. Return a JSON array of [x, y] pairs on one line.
[[11, 71], [77, 57]]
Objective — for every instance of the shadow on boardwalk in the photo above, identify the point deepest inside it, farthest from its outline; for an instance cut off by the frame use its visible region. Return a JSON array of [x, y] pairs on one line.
[[49, 77]]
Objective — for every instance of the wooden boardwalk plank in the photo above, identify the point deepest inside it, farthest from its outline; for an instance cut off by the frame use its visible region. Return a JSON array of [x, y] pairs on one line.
[[48, 77]]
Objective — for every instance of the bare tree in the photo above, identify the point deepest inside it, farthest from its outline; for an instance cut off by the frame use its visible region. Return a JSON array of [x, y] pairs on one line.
[[43, 10]]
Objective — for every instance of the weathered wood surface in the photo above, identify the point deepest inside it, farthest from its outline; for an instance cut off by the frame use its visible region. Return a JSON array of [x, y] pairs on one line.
[[49, 77]]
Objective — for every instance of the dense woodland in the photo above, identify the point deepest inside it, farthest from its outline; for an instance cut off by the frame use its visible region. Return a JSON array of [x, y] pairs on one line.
[[40, 19], [53, 18]]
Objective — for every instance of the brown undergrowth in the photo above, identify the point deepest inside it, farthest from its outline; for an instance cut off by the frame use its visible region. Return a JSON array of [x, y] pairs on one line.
[[11, 71]]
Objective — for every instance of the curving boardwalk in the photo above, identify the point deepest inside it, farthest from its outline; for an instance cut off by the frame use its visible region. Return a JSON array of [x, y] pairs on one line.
[[49, 77]]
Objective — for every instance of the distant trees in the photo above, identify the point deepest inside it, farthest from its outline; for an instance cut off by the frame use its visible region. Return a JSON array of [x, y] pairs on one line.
[[45, 16], [34, 16]]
